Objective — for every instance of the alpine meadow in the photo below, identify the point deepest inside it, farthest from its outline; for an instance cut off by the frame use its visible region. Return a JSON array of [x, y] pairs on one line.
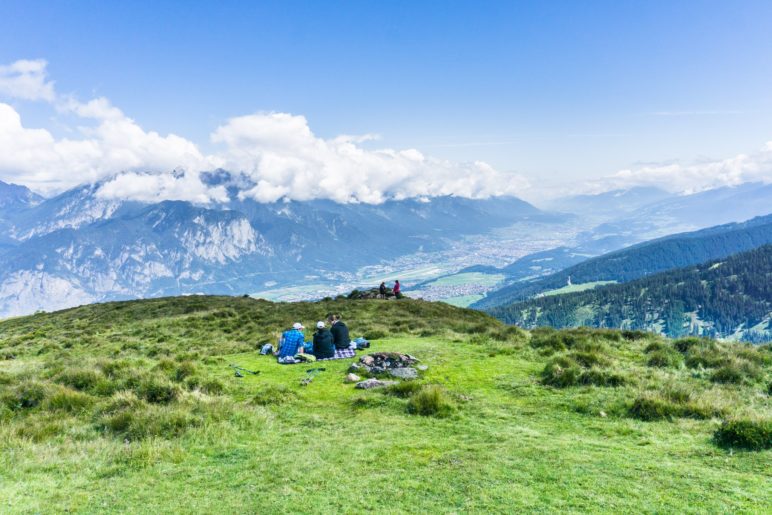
[[385, 257]]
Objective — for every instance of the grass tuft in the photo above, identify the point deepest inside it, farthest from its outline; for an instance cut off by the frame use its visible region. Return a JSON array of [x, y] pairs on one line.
[[431, 401]]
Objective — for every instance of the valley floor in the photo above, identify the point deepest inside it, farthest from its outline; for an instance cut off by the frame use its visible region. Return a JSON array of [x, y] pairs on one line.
[[512, 445]]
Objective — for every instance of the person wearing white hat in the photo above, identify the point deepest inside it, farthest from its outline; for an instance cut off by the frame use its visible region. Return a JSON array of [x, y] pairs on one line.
[[323, 346], [291, 342]]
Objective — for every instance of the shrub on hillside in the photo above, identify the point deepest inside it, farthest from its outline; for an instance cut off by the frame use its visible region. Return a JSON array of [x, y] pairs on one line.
[[375, 334], [651, 407], [683, 345], [657, 346], [431, 401], [562, 372], [664, 359], [632, 335], [753, 434], [590, 358], [157, 389], [705, 353], [736, 372], [25, 395], [598, 377]]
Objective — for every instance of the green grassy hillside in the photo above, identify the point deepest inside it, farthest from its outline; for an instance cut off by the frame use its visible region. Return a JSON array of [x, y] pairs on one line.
[[133, 407]]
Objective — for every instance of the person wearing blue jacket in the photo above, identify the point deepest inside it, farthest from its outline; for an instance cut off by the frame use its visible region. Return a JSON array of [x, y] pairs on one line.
[[292, 341]]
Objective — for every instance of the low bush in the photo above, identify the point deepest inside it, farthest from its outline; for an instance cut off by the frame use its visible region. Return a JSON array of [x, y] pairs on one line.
[[599, 377], [25, 395], [562, 372], [590, 358], [664, 359], [682, 345], [737, 372], [631, 335], [705, 354], [753, 434], [375, 334], [431, 401], [651, 407], [657, 346], [157, 390]]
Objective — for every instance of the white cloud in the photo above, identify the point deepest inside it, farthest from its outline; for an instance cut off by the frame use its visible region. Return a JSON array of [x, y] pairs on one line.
[[155, 187], [278, 152], [699, 176], [27, 80], [283, 157]]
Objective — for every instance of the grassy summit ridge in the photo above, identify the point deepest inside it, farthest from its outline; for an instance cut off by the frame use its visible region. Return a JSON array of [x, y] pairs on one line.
[[132, 407]]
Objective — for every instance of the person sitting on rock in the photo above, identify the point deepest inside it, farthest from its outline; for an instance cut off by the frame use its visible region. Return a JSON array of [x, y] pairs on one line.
[[323, 342], [291, 341], [339, 331]]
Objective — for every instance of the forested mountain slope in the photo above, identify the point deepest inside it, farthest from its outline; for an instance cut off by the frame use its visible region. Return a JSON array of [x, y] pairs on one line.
[[730, 298], [646, 258]]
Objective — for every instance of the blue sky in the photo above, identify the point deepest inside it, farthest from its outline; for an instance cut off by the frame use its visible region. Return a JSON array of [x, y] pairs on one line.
[[555, 91]]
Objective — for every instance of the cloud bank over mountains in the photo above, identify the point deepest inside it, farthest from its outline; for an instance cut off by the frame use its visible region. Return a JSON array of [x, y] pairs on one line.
[[277, 153]]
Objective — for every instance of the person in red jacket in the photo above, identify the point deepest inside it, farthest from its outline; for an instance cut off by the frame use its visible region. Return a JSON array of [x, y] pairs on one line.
[[396, 288]]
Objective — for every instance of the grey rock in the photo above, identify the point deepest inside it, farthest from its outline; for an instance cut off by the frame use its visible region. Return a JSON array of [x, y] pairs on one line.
[[373, 383], [352, 378], [423, 368], [404, 373]]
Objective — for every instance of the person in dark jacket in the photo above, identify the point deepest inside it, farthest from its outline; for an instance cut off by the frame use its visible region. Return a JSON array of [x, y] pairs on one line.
[[339, 332], [382, 290], [323, 342]]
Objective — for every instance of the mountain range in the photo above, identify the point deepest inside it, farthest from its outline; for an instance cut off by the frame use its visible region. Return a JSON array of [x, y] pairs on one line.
[[725, 298], [643, 259], [79, 247]]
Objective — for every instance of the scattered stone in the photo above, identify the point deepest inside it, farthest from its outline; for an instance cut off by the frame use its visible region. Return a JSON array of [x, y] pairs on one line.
[[404, 373], [602, 414], [373, 383], [423, 368], [355, 367], [352, 378], [367, 361]]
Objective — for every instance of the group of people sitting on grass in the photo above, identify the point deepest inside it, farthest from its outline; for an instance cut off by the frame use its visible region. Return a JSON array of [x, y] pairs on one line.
[[332, 343]]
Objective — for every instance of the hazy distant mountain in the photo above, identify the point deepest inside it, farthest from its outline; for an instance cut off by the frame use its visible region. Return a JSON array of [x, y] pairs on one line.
[[609, 204], [729, 298], [691, 212], [77, 247], [643, 259]]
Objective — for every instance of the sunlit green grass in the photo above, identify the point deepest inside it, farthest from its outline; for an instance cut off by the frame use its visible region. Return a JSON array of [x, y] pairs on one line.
[[510, 444]]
